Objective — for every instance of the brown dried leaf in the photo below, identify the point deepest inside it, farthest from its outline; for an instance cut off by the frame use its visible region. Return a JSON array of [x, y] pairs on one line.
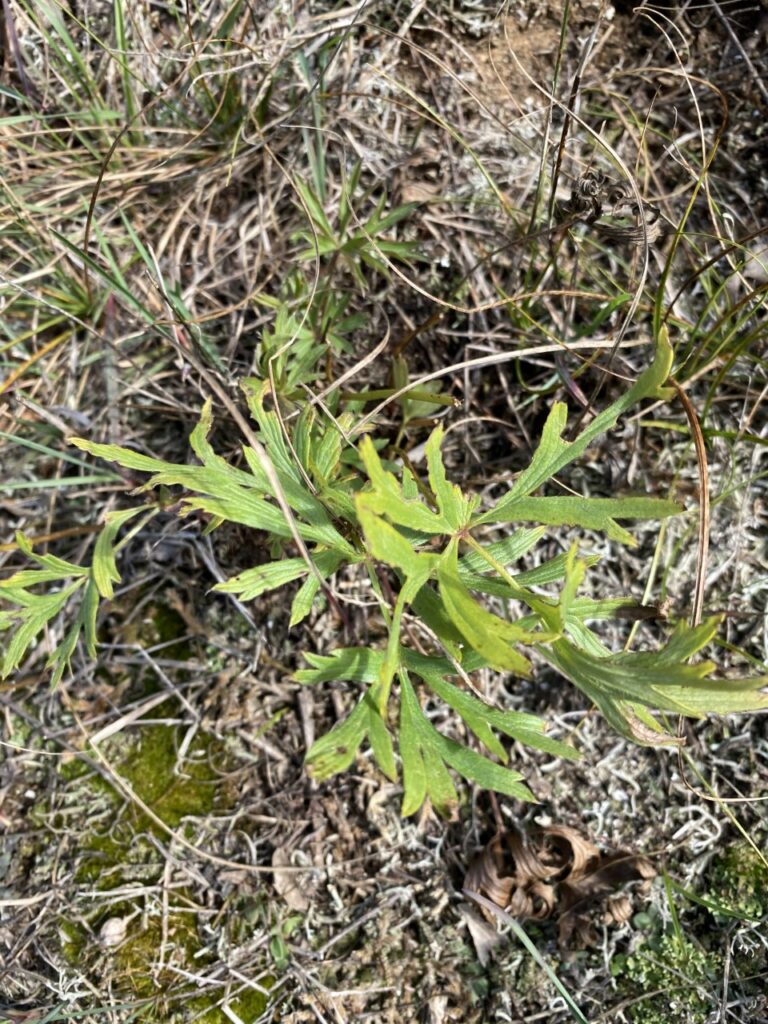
[[619, 909], [555, 871], [419, 192], [530, 867], [567, 852], [291, 885], [534, 900], [580, 897], [492, 872], [484, 935]]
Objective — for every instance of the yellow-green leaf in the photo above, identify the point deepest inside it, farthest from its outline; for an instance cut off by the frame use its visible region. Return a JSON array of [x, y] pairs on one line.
[[492, 637], [103, 566], [588, 513], [553, 453], [453, 506]]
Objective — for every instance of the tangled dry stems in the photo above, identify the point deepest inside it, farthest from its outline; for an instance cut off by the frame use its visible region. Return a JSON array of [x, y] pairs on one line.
[[209, 130]]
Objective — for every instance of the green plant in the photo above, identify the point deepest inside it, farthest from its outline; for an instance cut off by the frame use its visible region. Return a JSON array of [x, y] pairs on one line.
[[739, 880], [421, 546], [309, 324], [351, 241], [31, 612], [313, 318], [686, 973], [674, 976]]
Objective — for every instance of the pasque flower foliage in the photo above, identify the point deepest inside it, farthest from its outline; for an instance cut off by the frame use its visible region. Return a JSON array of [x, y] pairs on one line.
[[424, 547]]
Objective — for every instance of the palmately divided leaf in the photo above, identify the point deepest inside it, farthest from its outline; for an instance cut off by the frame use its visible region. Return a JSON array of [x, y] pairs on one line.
[[553, 453], [414, 770], [505, 551], [658, 680], [49, 563], [481, 718], [103, 566], [551, 571], [425, 752], [230, 493], [262, 515], [30, 577], [429, 607], [336, 751], [325, 455], [302, 603], [387, 499], [85, 623], [387, 544], [198, 442], [33, 613], [419, 765], [124, 456], [252, 582], [356, 664], [492, 637], [589, 513], [381, 745], [478, 769], [453, 506]]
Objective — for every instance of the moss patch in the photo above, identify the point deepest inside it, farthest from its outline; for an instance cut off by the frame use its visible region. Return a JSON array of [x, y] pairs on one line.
[[173, 789], [151, 771], [248, 1006], [685, 972], [118, 847], [739, 879], [160, 624]]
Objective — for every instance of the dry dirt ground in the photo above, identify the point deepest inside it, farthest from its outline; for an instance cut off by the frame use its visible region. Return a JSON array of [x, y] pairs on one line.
[[165, 856]]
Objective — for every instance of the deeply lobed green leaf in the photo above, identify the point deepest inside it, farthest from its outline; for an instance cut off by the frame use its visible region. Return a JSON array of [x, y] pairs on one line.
[[421, 542], [554, 453]]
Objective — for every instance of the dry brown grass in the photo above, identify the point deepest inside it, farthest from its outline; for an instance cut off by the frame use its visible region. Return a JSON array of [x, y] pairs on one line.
[[148, 228]]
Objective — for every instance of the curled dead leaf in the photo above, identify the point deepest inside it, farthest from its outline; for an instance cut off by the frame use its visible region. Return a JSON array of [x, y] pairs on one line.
[[565, 851], [535, 901], [491, 873], [618, 910], [557, 872], [651, 737]]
